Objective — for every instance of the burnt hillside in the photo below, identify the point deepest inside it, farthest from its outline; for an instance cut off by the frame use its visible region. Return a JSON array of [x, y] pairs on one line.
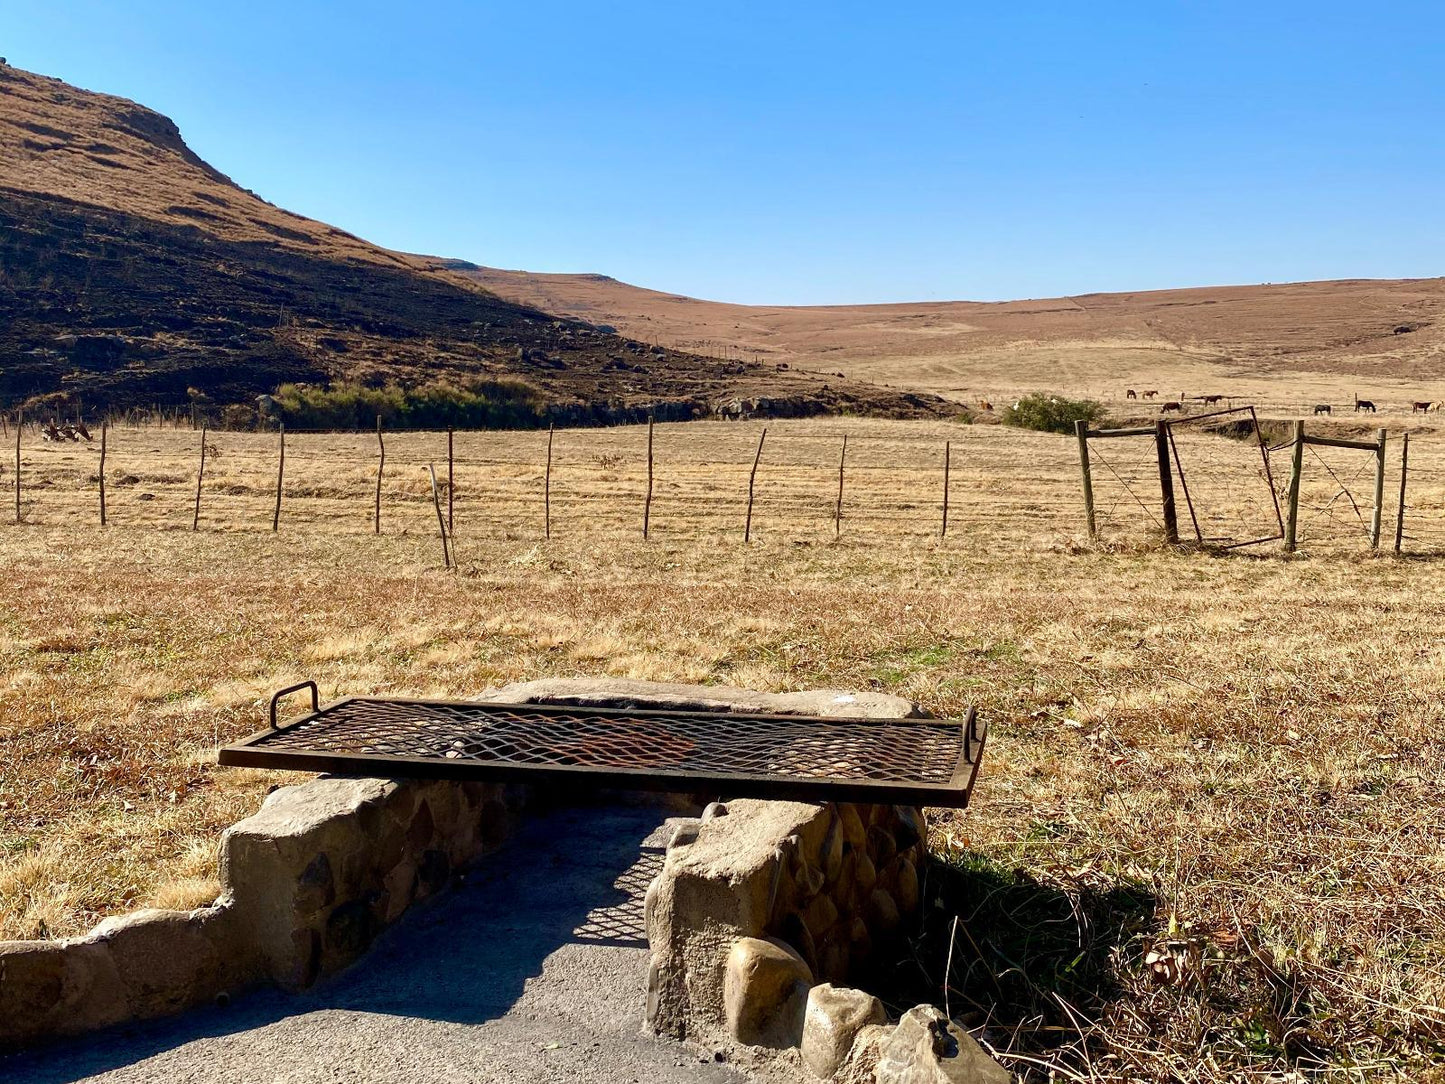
[[133, 273]]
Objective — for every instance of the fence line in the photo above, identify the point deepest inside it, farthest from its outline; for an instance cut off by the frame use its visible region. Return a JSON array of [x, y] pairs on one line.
[[1127, 483]]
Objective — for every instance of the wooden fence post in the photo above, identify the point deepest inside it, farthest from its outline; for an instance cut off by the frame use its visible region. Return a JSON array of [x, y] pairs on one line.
[[1081, 431], [1400, 510], [547, 485], [104, 426], [1379, 492], [19, 425], [947, 465], [1166, 483], [1296, 468], [647, 506], [280, 478], [441, 523], [752, 478], [451, 489], [838, 508], [380, 467], [200, 474]]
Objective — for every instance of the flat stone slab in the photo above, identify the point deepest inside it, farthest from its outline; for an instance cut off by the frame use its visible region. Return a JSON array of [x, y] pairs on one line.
[[534, 969]]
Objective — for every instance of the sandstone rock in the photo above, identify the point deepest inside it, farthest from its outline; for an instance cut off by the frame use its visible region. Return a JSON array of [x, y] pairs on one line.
[[928, 1048], [862, 1060], [164, 959], [765, 993], [834, 1016], [685, 832], [855, 834], [881, 913], [865, 875], [32, 986], [713, 891], [830, 854], [808, 878], [906, 892], [881, 845], [911, 827], [820, 915]]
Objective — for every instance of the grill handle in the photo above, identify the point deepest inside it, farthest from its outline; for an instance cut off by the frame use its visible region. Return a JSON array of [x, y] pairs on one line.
[[315, 702], [973, 736]]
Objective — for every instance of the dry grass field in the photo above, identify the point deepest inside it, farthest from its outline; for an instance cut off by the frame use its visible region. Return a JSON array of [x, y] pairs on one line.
[[1283, 346], [1247, 747]]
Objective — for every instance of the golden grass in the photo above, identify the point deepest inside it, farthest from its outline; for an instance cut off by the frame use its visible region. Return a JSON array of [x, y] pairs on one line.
[[1253, 741]]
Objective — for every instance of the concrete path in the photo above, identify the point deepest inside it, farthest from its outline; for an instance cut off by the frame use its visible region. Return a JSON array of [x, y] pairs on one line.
[[534, 969]]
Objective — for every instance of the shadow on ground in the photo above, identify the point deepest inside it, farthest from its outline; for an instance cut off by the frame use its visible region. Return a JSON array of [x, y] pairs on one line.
[[570, 877], [1019, 947]]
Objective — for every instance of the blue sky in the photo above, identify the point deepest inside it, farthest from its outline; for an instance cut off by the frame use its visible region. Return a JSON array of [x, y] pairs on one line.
[[812, 153]]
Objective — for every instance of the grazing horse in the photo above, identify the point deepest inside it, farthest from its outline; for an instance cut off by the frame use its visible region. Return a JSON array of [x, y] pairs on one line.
[[1323, 408], [1210, 400], [1131, 394], [1420, 408], [1173, 404], [1363, 404]]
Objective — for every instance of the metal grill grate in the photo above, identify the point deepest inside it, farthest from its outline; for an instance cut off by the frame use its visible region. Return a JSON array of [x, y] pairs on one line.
[[777, 756]]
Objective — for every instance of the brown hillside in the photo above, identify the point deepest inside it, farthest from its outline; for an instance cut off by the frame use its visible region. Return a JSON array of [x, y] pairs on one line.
[[1320, 337], [132, 272]]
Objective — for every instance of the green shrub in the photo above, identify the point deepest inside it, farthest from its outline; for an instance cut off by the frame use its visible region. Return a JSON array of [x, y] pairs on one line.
[[1051, 413], [238, 416], [487, 403]]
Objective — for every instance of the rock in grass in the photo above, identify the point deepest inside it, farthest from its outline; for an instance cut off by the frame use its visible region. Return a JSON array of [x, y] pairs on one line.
[[834, 1017], [928, 1048]]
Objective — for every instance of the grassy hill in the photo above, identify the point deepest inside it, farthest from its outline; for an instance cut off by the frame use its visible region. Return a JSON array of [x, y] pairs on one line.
[[1265, 342], [133, 273]]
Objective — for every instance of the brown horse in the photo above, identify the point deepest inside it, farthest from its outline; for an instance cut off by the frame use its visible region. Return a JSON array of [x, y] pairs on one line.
[[1172, 405], [1323, 408], [1131, 394], [1421, 408]]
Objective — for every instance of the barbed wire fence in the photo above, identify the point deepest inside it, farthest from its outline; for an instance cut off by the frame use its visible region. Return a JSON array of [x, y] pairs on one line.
[[502, 483], [1211, 476]]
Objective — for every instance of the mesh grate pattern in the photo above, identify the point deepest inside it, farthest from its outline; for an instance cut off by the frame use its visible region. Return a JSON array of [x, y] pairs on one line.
[[676, 744]]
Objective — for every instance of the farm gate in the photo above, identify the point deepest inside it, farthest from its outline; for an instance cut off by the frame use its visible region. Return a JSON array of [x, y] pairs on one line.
[[1211, 470]]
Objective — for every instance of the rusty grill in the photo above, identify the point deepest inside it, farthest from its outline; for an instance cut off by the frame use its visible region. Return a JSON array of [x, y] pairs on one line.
[[927, 761]]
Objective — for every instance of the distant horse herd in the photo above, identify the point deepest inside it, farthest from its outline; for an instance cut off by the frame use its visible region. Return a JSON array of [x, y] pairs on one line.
[[1176, 406]]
